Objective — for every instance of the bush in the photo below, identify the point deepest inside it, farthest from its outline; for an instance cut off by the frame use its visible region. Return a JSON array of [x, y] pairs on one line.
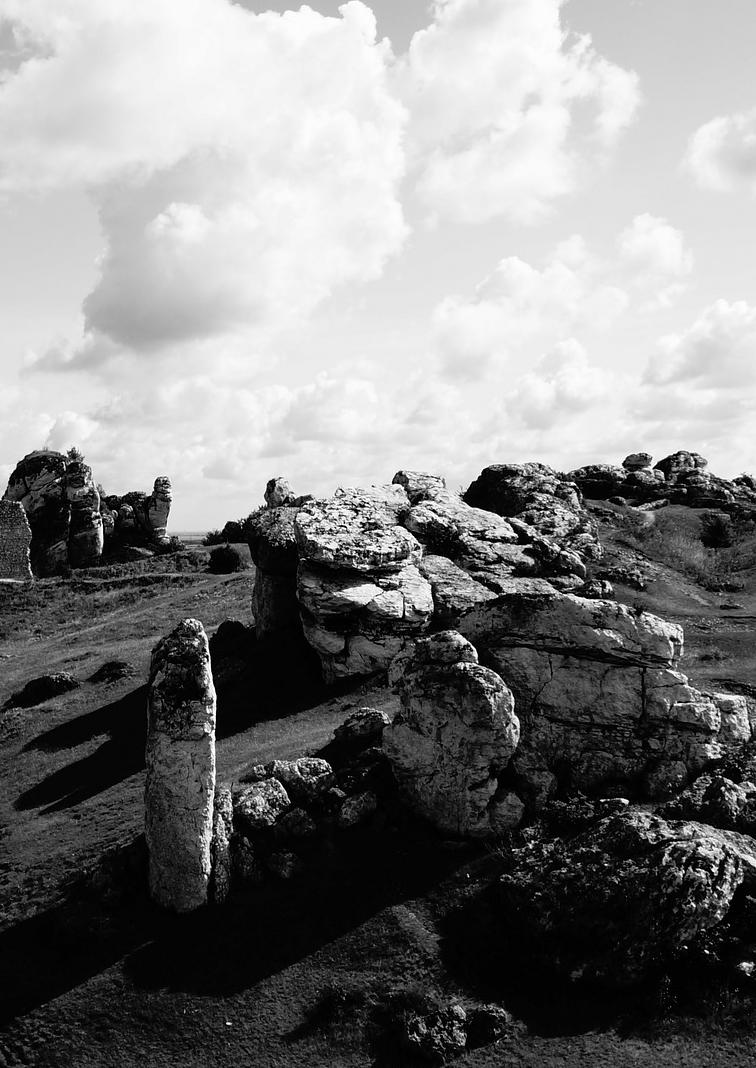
[[716, 530], [225, 559]]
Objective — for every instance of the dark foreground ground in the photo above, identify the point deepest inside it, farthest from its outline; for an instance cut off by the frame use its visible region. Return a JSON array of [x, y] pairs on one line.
[[310, 972]]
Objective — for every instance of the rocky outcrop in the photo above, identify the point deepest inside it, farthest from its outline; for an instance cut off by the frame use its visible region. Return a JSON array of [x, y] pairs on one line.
[[601, 703], [540, 497], [15, 539], [680, 478], [453, 737], [70, 519], [85, 533], [142, 518], [360, 593], [273, 547], [180, 761], [625, 898]]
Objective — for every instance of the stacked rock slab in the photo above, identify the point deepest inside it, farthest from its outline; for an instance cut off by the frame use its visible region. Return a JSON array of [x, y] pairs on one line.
[[180, 761], [85, 533], [15, 539], [360, 592], [540, 497], [601, 703], [453, 738]]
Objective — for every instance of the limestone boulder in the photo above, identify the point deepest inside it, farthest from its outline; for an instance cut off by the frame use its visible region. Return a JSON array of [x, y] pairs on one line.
[[86, 532], [273, 547], [15, 539], [453, 737], [676, 463], [601, 703], [637, 461], [540, 497], [419, 485], [259, 806], [357, 530], [157, 508], [625, 898], [38, 482], [180, 763]]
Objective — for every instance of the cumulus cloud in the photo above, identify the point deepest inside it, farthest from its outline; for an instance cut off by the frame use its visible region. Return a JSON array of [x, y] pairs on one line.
[[656, 255], [715, 352], [562, 384], [498, 91], [721, 154], [244, 165]]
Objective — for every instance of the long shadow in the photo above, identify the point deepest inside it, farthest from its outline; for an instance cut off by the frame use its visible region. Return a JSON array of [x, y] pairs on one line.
[[275, 679], [222, 950], [121, 756]]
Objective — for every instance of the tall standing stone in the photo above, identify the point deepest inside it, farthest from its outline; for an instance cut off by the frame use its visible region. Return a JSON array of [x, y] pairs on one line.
[[180, 758], [15, 538]]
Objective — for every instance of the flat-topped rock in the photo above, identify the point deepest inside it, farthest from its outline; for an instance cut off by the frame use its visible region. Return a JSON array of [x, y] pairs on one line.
[[358, 530], [419, 485]]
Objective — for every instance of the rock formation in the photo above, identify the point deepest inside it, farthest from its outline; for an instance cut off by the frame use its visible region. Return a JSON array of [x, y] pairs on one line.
[[536, 494], [601, 703], [624, 898], [70, 519], [85, 532], [273, 547], [360, 592], [15, 539], [680, 478], [453, 737], [180, 760]]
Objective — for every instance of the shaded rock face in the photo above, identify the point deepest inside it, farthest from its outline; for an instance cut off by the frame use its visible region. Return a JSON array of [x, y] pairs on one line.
[[85, 534], [454, 736], [273, 547], [180, 762], [601, 704], [39, 484], [537, 495], [144, 515], [15, 539], [625, 897]]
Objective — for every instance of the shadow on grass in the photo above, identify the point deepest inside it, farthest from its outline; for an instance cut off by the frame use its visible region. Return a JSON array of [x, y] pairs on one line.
[[276, 679], [224, 950]]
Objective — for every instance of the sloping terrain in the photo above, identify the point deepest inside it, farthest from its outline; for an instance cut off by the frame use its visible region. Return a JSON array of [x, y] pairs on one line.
[[311, 971]]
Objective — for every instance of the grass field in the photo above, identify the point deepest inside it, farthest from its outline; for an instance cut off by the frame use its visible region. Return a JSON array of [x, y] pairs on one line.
[[93, 975]]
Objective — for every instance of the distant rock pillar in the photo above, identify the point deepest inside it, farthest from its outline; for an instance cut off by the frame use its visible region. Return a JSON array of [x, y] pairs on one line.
[[180, 758], [157, 509]]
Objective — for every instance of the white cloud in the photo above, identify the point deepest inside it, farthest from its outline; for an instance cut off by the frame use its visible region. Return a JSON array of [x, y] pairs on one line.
[[721, 154], [498, 91], [243, 165], [716, 352], [562, 385]]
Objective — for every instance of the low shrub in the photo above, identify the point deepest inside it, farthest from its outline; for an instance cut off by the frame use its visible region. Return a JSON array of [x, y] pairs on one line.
[[225, 560]]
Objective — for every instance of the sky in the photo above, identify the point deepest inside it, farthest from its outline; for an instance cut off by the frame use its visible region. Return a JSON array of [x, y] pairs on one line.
[[245, 239]]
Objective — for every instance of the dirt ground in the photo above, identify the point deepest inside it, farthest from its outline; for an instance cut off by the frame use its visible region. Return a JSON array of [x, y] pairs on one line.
[[92, 975]]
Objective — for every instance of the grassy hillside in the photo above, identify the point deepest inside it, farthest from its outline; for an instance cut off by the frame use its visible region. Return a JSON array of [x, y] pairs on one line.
[[311, 971]]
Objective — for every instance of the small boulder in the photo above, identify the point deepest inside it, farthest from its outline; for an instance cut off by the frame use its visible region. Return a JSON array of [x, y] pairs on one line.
[[439, 1036], [355, 810], [259, 806], [42, 689], [362, 728], [305, 779]]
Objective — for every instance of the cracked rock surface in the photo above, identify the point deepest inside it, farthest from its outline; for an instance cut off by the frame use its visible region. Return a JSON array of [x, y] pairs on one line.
[[180, 762]]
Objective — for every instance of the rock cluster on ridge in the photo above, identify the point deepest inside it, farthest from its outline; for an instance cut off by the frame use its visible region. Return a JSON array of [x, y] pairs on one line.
[[70, 519]]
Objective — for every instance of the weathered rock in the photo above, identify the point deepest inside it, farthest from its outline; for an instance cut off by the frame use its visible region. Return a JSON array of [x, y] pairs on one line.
[[672, 466], [716, 800], [220, 847], [142, 518], [454, 591], [363, 727], [85, 534], [355, 810], [296, 823], [180, 759], [454, 735], [157, 508], [304, 779], [278, 492], [15, 539], [38, 483], [284, 864], [598, 696], [540, 497], [419, 485], [112, 671], [358, 621], [358, 530], [273, 547], [637, 461], [245, 864], [625, 897], [438, 1036], [488, 1024], [258, 806], [42, 689]]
